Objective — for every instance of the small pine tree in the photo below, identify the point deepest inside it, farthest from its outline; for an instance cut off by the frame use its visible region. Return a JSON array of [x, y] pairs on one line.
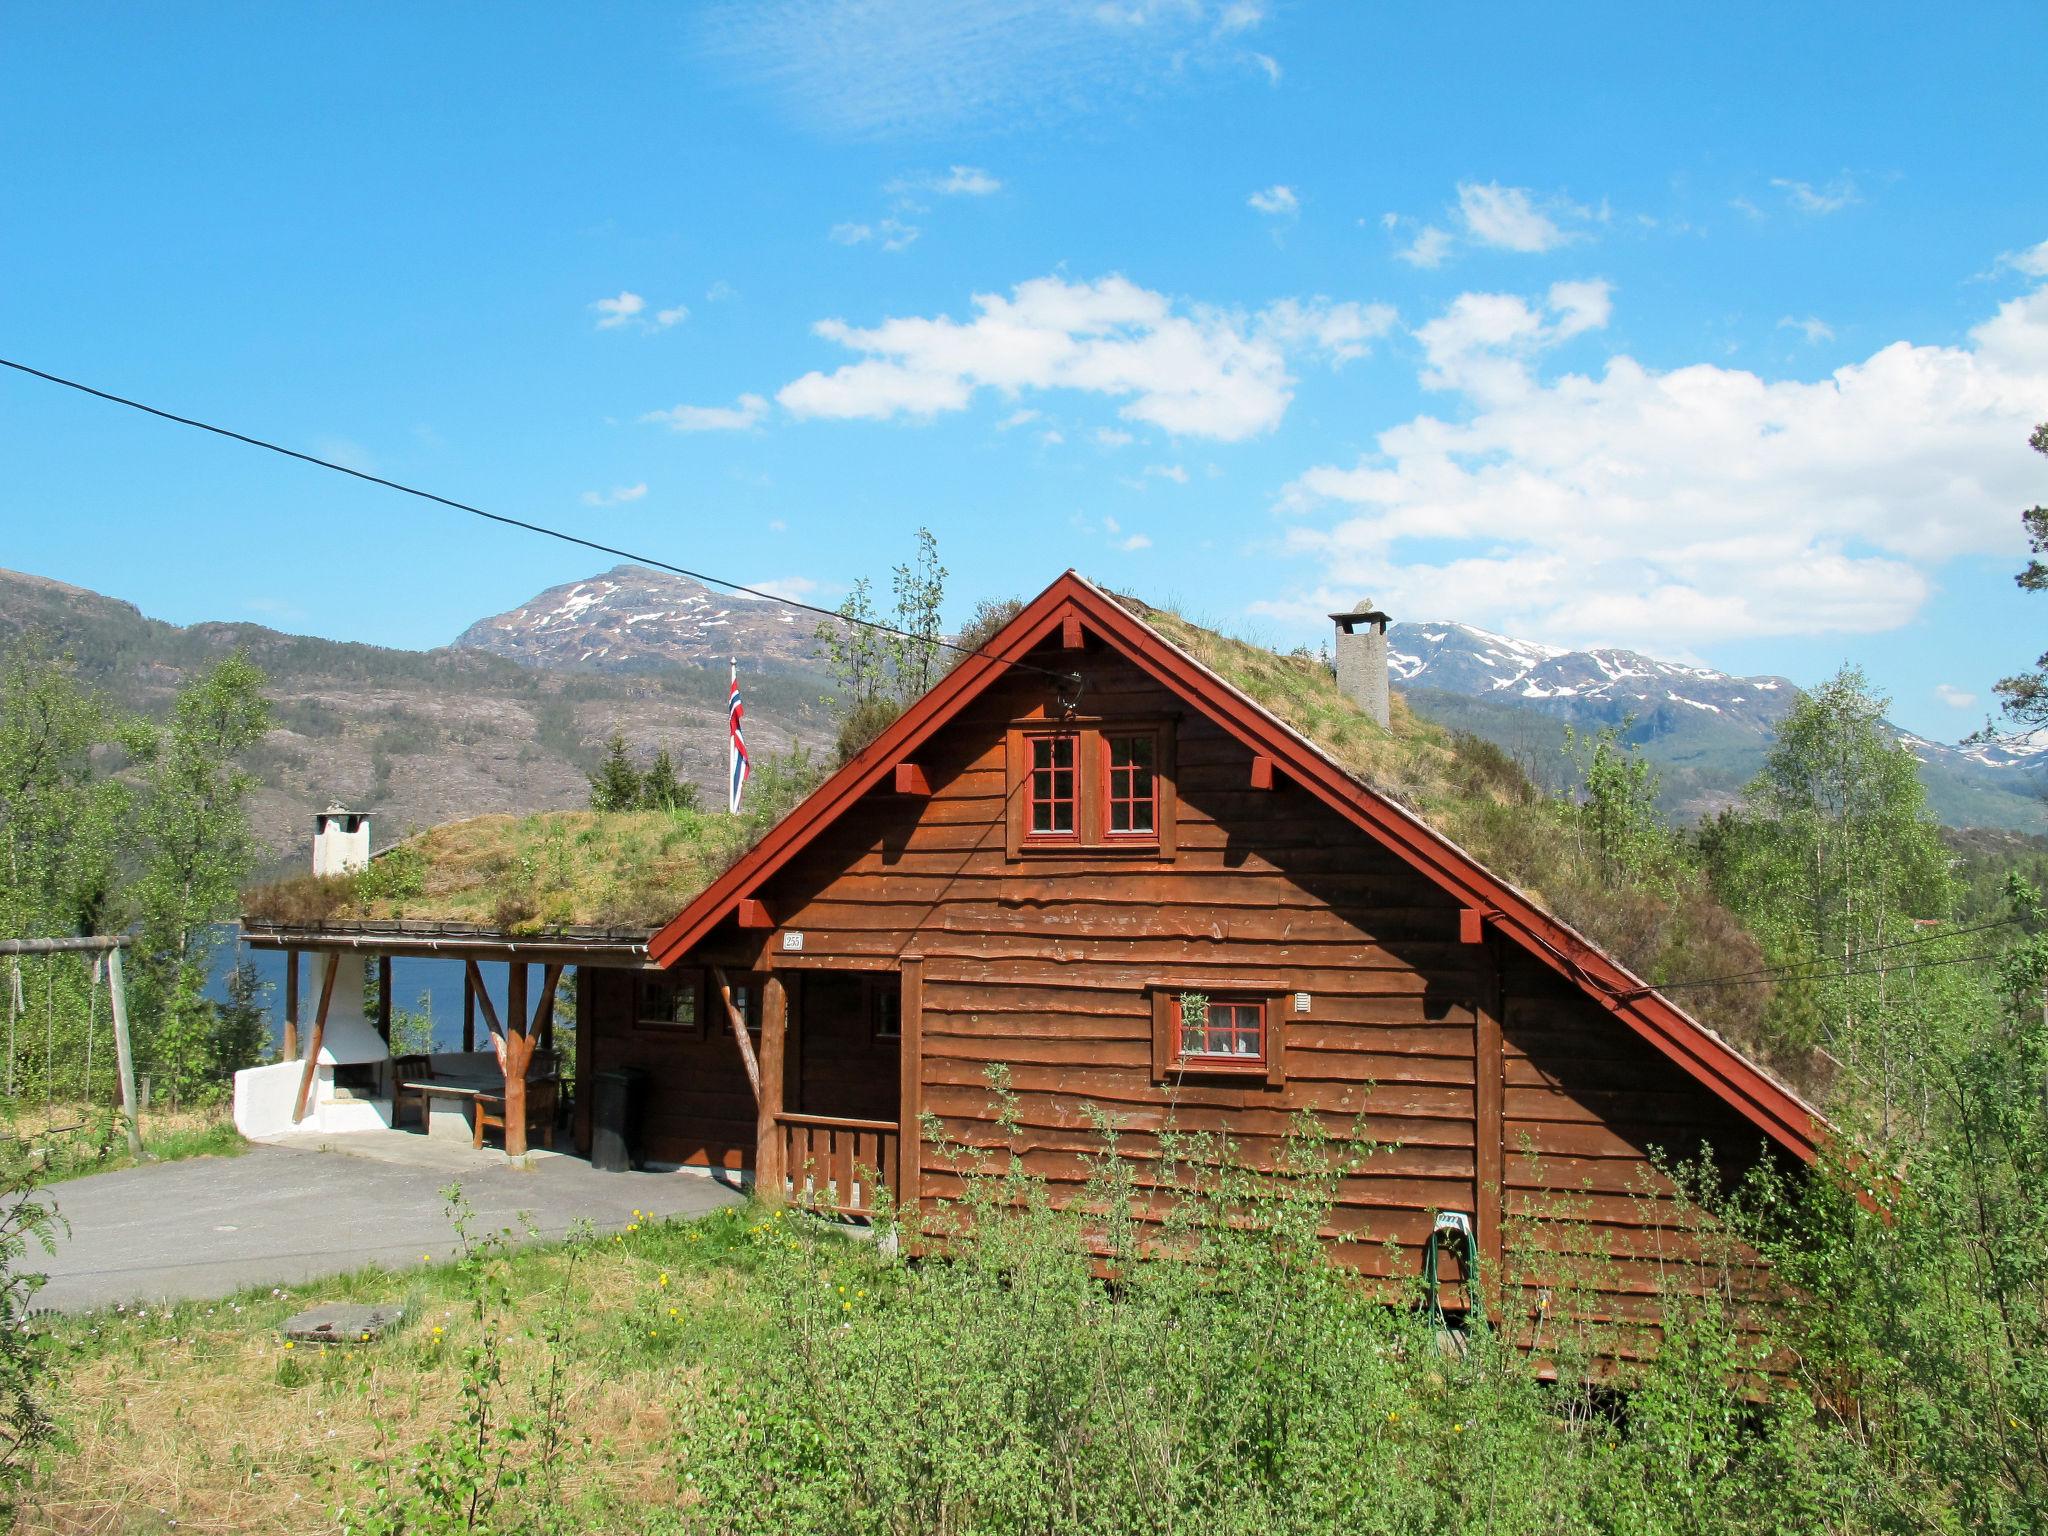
[[616, 785], [662, 790]]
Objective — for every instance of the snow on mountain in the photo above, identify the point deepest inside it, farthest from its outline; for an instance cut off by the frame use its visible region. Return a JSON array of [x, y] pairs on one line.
[[631, 618]]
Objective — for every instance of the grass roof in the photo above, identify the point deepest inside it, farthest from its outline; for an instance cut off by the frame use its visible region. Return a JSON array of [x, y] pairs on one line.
[[526, 874]]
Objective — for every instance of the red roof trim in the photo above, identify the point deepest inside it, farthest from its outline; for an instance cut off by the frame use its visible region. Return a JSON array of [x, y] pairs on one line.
[[1745, 1087]]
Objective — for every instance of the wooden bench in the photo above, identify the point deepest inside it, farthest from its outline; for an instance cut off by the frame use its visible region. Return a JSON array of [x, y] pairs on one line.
[[543, 1101]]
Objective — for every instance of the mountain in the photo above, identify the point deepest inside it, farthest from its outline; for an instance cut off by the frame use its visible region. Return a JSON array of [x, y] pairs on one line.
[[632, 619], [415, 737], [1706, 731]]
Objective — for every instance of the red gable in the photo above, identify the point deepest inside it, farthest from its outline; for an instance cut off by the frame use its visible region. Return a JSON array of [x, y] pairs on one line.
[[1071, 600]]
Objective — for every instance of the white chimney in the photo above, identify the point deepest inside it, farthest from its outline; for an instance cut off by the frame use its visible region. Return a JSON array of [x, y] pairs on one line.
[[1362, 657], [341, 841]]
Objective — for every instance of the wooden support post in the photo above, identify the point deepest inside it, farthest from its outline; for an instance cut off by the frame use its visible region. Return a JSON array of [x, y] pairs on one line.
[[910, 1093], [384, 999], [469, 1007], [291, 1006], [479, 994], [1489, 1097], [124, 1057], [546, 1011], [739, 1029], [517, 1053], [318, 1037], [769, 1172]]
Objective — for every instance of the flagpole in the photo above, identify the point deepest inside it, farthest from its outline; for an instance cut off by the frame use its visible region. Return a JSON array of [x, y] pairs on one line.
[[731, 747]]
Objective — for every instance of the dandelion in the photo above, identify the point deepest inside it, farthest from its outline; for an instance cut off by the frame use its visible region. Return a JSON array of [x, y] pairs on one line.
[[663, 1280], [287, 1343]]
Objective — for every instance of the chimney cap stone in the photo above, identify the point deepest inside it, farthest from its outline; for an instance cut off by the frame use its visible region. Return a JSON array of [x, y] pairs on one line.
[[1362, 613]]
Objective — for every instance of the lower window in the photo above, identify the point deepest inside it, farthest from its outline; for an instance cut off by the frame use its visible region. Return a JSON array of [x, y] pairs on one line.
[[1196, 1032]]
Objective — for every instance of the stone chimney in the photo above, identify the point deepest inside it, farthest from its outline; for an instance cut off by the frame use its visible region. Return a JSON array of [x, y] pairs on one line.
[[1362, 657], [341, 841]]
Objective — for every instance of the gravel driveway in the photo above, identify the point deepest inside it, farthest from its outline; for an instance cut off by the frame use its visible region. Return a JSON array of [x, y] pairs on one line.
[[283, 1214]]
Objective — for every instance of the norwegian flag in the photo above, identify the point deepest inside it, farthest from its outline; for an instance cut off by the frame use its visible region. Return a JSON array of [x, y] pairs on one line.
[[737, 747]]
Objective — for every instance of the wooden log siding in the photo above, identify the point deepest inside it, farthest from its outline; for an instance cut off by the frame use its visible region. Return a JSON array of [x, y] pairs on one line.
[[1042, 962]]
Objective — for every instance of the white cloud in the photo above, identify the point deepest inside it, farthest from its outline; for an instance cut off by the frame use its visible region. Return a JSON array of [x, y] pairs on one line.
[[1113, 437], [1659, 509], [613, 313], [1954, 697], [1269, 65], [797, 588], [877, 67], [618, 495], [1017, 418], [1813, 328], [1277, 200], [1196, 371], [1506, 218], [2033, 261], [630, 308], [1428, 249], [1174, 472], [719, 292], [892, 234], [744, 416], [1807, 198], [1133, 542], [1343, 332], [967, 181]]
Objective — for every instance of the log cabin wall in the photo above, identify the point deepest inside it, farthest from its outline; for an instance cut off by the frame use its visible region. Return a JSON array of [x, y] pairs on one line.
[[697, 1107], [1044, 962]]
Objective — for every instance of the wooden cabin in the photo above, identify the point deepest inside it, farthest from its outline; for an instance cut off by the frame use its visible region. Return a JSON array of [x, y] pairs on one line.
[[1078, 830]]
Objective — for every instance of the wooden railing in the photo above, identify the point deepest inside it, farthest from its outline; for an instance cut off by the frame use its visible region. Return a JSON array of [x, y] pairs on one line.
[[834, 1164]]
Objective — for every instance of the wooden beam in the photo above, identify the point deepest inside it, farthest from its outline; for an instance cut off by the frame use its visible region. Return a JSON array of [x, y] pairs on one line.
[[911, 780], [1070, 633], [1262, 771], [124, 1055], [546, 1011], [910, 1094], [319, 1036], [481, 995], [469, 1007], [753, 913], [384, 999], [586, 1052], [739, 1030], [291, 1006], [768, 1170], [517, 1053], [1471, 925], [1489, 1098]]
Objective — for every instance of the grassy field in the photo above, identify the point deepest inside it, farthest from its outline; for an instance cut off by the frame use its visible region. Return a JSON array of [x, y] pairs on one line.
[[85, 1139], [202, 1417]]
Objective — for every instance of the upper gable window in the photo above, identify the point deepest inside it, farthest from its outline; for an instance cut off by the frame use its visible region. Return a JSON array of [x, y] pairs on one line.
[[1092, 785]]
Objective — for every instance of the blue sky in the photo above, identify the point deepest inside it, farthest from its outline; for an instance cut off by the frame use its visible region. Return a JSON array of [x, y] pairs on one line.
[[1716, 336]]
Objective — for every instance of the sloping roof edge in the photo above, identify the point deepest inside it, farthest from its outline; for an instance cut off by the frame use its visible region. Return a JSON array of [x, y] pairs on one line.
[[1703, 1055]]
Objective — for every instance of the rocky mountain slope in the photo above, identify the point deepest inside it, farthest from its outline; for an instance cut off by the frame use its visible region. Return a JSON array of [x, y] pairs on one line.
[[415, 737], [1707, 731], [632, 619]]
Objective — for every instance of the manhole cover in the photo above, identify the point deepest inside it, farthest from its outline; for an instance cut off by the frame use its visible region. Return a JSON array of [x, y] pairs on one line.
[[339, 1323]]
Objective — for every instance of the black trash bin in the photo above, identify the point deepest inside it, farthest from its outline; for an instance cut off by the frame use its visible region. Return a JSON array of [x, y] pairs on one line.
[[614, 1119]]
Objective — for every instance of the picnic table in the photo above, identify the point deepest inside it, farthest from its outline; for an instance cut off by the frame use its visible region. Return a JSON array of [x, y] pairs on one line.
[[476, 1100]]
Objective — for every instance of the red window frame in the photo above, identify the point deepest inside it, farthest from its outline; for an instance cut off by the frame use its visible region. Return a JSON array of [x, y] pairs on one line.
[[670, 987], [1033, 799], [1117, 781], [1229, 1023], [1267, 1013]]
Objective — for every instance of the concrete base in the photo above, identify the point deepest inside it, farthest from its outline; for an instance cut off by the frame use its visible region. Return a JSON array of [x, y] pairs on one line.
[[449, 1119]]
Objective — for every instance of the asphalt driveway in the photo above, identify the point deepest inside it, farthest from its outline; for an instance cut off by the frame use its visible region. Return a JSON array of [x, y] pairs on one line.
[[280, 1215]]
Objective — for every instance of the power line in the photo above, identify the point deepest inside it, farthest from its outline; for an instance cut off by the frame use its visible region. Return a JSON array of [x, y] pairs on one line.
[[1802, 970], [521, 523], [1758, 981]]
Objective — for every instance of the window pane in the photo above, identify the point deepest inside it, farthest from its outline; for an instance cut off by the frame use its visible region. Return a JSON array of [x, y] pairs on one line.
[[1234, 1030], [1132, 795], [1052, 784]]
